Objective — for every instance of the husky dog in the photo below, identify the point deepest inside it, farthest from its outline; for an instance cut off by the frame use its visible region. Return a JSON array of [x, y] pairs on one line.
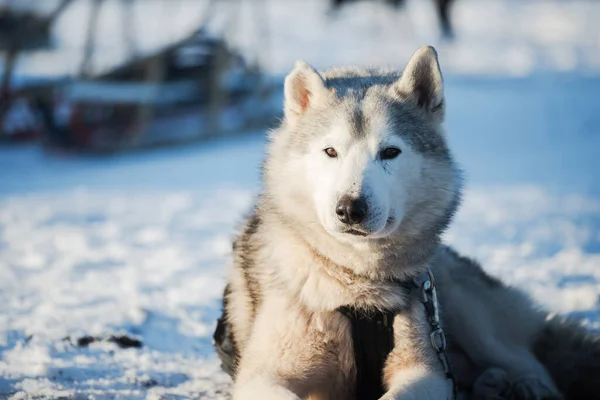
[[359, 184]]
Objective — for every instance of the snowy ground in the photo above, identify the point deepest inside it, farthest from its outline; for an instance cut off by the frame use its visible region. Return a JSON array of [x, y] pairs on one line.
[[139, 244]]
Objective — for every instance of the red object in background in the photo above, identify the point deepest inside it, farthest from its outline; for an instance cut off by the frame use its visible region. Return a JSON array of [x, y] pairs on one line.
[[80, 129], [19, 120]]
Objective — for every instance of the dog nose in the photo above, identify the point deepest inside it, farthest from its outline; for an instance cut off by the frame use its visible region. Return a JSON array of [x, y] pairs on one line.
[[351, 211]]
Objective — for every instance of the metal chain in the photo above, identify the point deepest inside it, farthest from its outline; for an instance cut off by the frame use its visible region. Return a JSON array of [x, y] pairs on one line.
[[437, 336]]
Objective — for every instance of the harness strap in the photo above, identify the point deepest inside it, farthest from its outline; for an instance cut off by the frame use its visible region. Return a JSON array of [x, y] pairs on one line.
[[373, 339]]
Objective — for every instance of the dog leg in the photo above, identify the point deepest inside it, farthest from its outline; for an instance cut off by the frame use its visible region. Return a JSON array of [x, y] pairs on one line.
[[493, 384], [413, 370], [293, 353], [490, 345], [496, 384], [531, 387], [419, 384], [493, 324], [259, 388]]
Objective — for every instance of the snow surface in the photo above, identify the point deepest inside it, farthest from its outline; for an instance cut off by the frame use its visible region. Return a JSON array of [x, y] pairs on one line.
[[139, 244]]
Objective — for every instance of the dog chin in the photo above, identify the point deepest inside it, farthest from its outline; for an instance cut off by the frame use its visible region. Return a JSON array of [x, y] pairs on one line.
[[388, 229]]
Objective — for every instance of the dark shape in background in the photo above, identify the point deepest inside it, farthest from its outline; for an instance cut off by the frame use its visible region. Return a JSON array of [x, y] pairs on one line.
[[192, 89], [442, 7], [22, 31]]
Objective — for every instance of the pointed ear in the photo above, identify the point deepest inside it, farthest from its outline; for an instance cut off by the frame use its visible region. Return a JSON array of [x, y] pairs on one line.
[[303, 88], [422, 82]]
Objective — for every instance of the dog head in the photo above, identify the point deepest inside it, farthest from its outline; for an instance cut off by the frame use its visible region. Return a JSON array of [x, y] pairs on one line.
[[361, 154]]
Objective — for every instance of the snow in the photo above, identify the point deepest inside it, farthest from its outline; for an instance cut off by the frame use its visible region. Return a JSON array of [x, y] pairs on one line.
[[139, 243]]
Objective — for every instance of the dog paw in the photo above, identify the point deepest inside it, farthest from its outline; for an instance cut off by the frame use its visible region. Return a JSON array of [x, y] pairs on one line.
[[492, 384], [532, 388]]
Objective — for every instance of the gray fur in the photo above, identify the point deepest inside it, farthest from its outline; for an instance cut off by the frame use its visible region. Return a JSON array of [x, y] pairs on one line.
[[359, 94]]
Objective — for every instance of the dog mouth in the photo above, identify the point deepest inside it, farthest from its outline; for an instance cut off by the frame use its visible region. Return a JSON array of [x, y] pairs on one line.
[[355, 232]]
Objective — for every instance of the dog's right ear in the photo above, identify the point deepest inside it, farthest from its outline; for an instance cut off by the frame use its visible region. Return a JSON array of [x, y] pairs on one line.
[[303, 89]]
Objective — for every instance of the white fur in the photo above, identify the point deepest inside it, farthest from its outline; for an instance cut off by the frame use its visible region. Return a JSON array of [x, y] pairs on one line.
[[358, 170], [419, 384], [261, 388]]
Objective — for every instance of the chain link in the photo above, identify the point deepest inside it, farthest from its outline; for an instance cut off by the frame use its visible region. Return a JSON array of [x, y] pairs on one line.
[[437, 336]]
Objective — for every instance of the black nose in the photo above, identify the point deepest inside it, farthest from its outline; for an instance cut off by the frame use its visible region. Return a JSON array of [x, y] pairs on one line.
[[351, 211]]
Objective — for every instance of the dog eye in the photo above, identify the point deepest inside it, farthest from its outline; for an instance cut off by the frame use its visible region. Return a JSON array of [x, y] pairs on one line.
[[330, 151], [389, 153]]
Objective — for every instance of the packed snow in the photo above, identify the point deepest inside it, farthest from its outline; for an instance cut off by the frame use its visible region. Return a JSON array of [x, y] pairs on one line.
[[139, 244]]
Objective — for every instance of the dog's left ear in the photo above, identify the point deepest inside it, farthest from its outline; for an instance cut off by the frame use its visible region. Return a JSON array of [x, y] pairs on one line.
[[422, 82]]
